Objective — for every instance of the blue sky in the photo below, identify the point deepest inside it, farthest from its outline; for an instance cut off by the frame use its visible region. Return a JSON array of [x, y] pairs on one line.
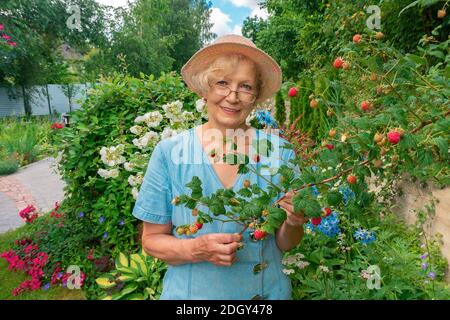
[[227, 15]]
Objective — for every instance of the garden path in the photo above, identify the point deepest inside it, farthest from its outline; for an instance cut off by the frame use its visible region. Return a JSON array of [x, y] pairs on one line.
[[38, 184]]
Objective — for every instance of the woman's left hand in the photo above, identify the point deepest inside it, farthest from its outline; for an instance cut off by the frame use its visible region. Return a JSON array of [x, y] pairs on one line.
[[293, 219]]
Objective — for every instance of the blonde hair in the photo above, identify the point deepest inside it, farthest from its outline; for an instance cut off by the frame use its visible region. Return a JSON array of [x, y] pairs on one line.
[[220, 67]]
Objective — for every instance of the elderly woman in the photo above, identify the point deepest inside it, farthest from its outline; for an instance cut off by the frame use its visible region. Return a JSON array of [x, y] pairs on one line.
[[232, 76]]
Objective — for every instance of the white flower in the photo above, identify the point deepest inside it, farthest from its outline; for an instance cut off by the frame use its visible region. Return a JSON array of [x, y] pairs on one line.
[[137, 130], [153, 119], [139, 119], [173, 108], [135, 180], [288, 271], [200, 105], [150, 137], [299, 255], [135, 193], [302, 264], [168, 132], [113, 155], [113, 173], [128, 166], [324, 269], [289, 260]]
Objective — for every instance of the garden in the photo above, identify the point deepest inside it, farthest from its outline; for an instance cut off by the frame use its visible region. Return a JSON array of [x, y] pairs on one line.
[[363, 106]]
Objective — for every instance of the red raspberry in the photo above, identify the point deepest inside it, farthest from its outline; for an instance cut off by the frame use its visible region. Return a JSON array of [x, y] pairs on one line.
[[337, 64], [259, 234], [292, 92], [316, 221], [393, 137]]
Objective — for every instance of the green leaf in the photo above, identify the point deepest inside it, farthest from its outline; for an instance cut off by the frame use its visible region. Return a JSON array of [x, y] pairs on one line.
[[243, 169], [277, 214], [245, 193], [122, 261], [334, 198], [442, 145], [105, 282], [196, 186]]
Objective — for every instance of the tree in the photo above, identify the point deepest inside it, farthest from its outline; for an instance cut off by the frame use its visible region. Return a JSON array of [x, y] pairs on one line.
[[38, 28], [154, 36]]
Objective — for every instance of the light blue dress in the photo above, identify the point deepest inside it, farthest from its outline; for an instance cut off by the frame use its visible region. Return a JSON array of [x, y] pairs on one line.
[[172, 165]]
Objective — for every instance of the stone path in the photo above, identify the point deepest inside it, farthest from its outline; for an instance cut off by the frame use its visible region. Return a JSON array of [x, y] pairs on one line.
[[38, 184]]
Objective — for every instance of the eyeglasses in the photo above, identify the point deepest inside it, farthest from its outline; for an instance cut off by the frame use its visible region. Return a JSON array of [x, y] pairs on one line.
[[245, 96]]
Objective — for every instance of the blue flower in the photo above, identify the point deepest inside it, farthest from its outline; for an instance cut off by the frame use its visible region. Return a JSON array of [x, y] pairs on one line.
[[105, 235], [264, 118], [347, 194], [81, 214], [328, 226], [364, 236], [46, 286], [315, 191], [432, 275], [121, 222], [101, 219]]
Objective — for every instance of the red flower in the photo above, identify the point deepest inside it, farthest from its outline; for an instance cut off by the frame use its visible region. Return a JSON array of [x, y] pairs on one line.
[[12, 43], [28, 214], [56, 125]]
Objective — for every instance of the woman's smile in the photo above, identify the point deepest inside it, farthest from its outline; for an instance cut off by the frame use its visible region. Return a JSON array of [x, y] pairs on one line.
[[230, 111]]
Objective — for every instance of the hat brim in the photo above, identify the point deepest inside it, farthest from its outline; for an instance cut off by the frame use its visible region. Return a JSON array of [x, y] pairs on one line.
[[269, 70]]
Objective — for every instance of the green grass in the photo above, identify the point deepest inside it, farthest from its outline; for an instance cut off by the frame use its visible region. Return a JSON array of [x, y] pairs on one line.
[[10, 280], [24, 140]]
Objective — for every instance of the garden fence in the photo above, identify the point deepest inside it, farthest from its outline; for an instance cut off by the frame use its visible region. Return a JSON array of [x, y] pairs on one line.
[[43, 100]]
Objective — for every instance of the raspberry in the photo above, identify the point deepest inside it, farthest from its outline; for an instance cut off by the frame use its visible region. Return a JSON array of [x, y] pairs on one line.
[[357, 38], [259, 234], [292, 92], [351, 179], [338, 62], [316, 221], [393, 137]]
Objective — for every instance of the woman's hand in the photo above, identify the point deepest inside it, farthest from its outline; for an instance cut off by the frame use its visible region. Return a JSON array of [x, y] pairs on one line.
[[217, 248], [293, 219]]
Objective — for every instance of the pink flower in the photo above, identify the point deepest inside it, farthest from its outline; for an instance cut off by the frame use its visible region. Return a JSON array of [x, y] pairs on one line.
[[12, 43], [2, 27], [6, 37]]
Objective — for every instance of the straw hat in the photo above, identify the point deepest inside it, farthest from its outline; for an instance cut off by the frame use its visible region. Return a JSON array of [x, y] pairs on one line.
[[269, 70]]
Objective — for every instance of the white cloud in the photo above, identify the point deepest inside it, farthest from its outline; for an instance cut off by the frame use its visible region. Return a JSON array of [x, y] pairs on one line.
[[222, 23], [253, 5], [114, 3], [262, 13]]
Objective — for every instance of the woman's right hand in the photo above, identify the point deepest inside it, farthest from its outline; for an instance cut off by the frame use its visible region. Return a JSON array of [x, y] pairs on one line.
[[217, 248]]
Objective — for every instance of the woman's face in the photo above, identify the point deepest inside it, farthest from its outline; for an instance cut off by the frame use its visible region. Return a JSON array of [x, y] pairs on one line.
[[229, 111]]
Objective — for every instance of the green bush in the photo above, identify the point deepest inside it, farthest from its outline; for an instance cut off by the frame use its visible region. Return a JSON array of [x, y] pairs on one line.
[[8, 165]]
